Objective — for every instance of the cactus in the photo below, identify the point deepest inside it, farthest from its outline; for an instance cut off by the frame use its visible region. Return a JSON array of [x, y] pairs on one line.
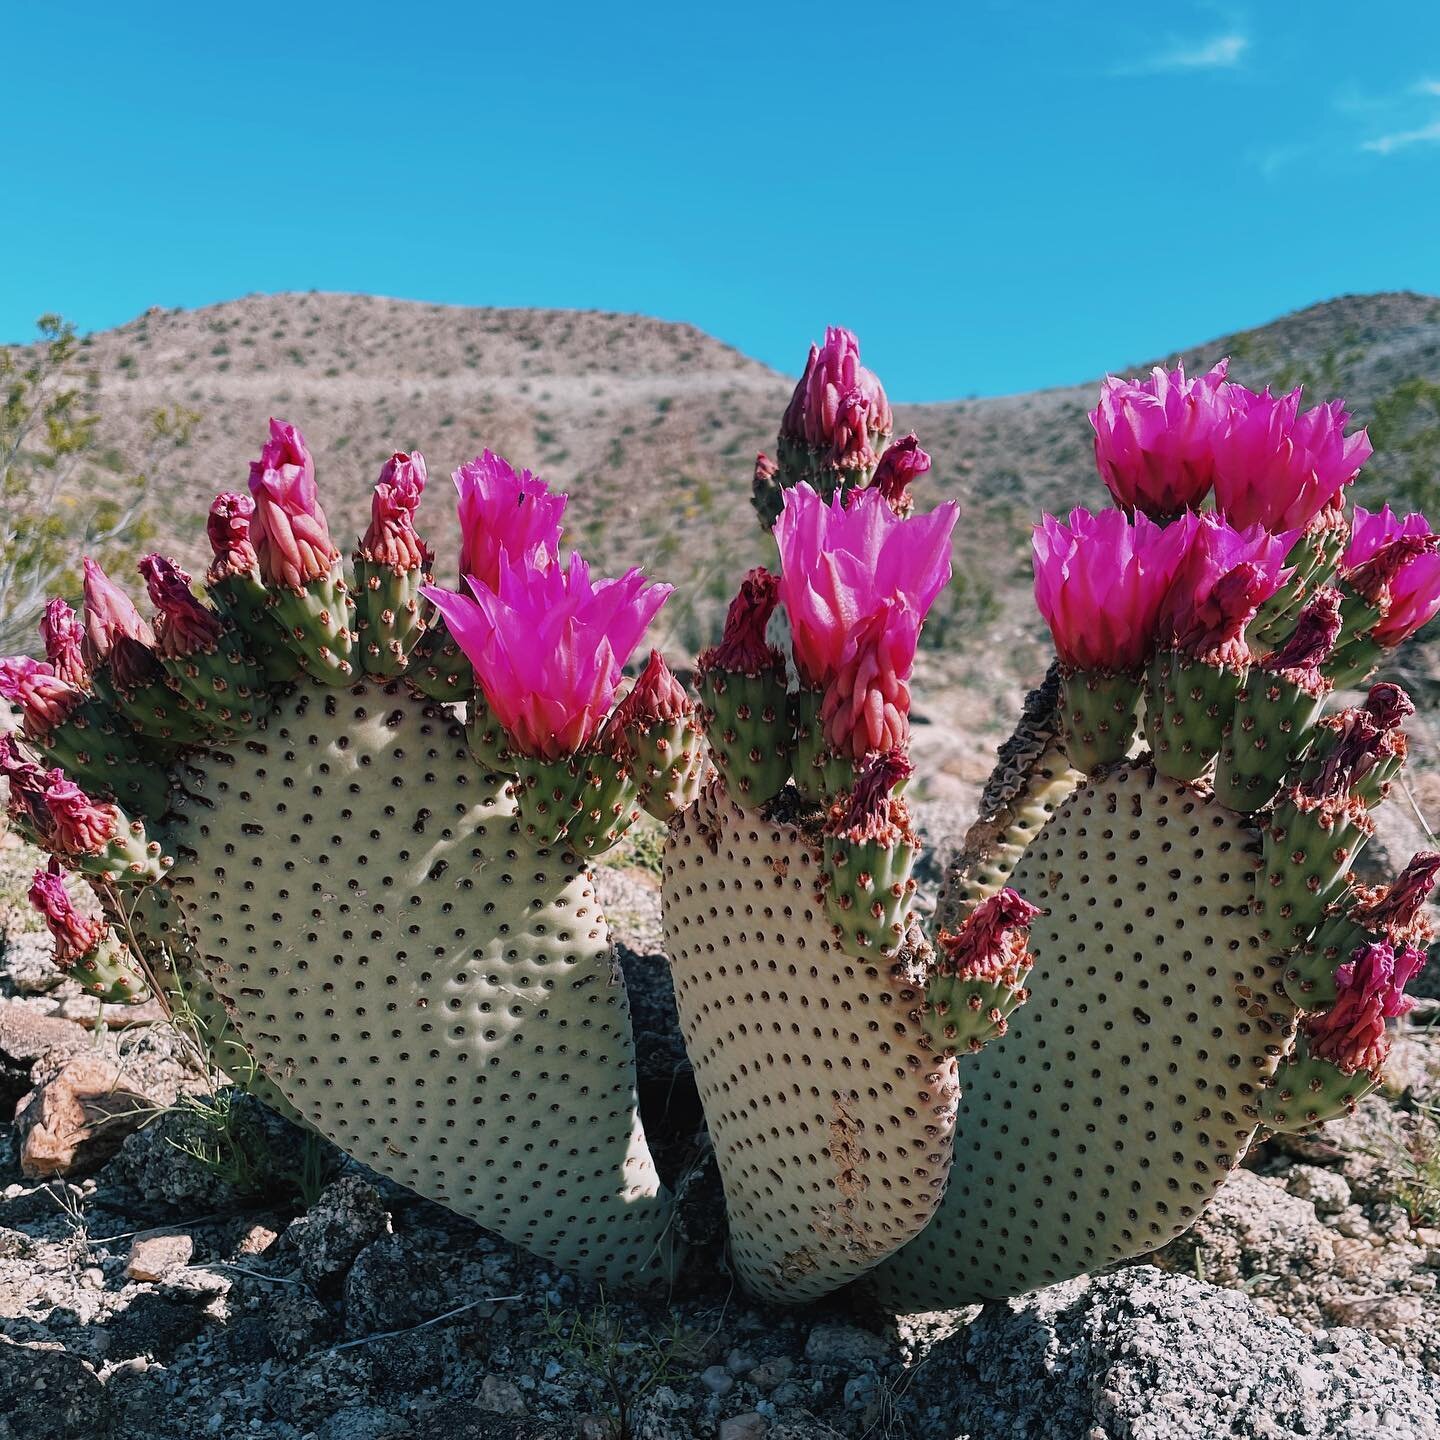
[[1151, 951]]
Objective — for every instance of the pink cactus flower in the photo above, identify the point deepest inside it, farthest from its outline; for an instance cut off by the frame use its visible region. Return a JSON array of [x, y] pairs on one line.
[[839, 408], [1279, 468], [291, 537], [872, 813], [1369, 990], [1224, 576], [183, 625], [902, 463], [840, 561], [505, 512], [1382, 553], [45, 700], [228, 528], [866, 705], [743, 649], [64, 636], [110, 616], [391, 538], [1155, 438], [79, 824], [75, 935], [656, 698], [549, 645], [991, 941], [1100, 581]]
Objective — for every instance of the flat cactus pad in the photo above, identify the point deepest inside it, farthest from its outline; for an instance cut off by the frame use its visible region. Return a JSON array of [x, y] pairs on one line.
[[430, 991], [831, 1119], [1126, 1089]]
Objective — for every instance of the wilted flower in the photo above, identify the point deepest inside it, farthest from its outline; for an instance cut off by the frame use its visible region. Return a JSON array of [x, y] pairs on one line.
[[75, 935], [25, 778], [228, 528], [1395, 908], [183, 624], [1388, 705], [64, 636], [79, 825], [549, 645], [1279, 468], [991, 941], [1224, 576], [872, 812], [839, 562], [504, 512], [1312, 641], [1100, 581], [291, 537], [1154, 439], [902, 463], [839, 408], [1369, 990], [743, 649], [45, 700], [391, 538]]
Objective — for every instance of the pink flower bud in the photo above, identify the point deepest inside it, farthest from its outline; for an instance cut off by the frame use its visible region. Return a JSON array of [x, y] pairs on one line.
[[291, 537], [229, 530], [110, 617], [902, 463], [1100, 581], [840, 559], [991, 941], [656, 698], [866, 703], [1311, 642], [1279, 468], [839, 408], [75, 935], [184, 625], [391, 538], [1155, 438], [743, 649], [64, 636], [505, 512]]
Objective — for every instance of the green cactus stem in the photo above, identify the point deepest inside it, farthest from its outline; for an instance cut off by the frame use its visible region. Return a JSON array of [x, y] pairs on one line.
[[585, 801], [820, 774], [318, 620], [1188, 703], [1099, 717], [438, 668], [488, 742], [221, 683], [746, 727], [1272, 727], [388, 615], [1307, 1090], [1308, 848], [241, 598], [94, 747], [109, 973]]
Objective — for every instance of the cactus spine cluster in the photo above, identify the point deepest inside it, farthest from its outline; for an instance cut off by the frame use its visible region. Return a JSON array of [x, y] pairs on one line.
[[346, 816]]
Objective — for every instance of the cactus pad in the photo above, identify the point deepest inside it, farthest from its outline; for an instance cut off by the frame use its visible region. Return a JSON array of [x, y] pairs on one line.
[[830, 1118], [431, 992], [1145, 967]]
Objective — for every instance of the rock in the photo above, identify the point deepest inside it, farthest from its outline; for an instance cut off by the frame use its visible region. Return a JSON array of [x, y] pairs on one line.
[[391, 1287], [29, 960], [501, 1396], [749, 1426], [152, 1325], [153, 1253], [739, 1362], [770, 1373], [460, 1420], [846, 1346], [1148, 1356], [1324, 1189], [75, 1121], [346, 1218], [364, 1422], [49, 1395], [26, 1036], [717, 1379], [298, 1322], [1377, 1312]]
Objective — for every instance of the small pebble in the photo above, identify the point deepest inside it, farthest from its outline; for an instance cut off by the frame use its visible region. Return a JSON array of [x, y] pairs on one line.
[[750, 1426], [739, 1363], [718, 1380]]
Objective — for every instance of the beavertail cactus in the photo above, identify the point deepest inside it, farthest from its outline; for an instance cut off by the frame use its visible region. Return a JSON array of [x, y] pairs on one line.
[[342, 817]]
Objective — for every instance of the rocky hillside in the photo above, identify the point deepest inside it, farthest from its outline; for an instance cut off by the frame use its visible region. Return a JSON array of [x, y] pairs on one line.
[[652, 427]]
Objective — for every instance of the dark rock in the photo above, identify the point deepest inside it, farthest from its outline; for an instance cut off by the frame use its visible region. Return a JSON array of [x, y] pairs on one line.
[[247, 1341], [298, 1322], [391, 1287], [1141, 1355], [364, 1422], [408, 1363], [346, 1218], [153, 1326], [461, 1420], [49, 1395]]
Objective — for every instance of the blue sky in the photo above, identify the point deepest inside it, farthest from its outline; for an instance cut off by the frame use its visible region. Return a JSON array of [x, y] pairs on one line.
[[995, 196]]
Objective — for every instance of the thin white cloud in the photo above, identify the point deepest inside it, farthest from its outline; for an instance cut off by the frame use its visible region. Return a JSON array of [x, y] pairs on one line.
[[1404, 139], [1223, 52], [1428, 87]]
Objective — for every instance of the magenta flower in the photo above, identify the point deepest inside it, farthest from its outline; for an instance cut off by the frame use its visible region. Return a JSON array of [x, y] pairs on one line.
[[839, 562], [391, 538], [45, 700], [549, 645], [79, 825], [1369, 990], [1279, 468], [839, 408], [111, 618], [1224, 576], [1100, 581], [866, 706], [743, 648], [902, 463], [228, 528], [1155, 438], [75, 935], [183, 624], [504, 512], [290, 534], [1388, 559], [64, 636]]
